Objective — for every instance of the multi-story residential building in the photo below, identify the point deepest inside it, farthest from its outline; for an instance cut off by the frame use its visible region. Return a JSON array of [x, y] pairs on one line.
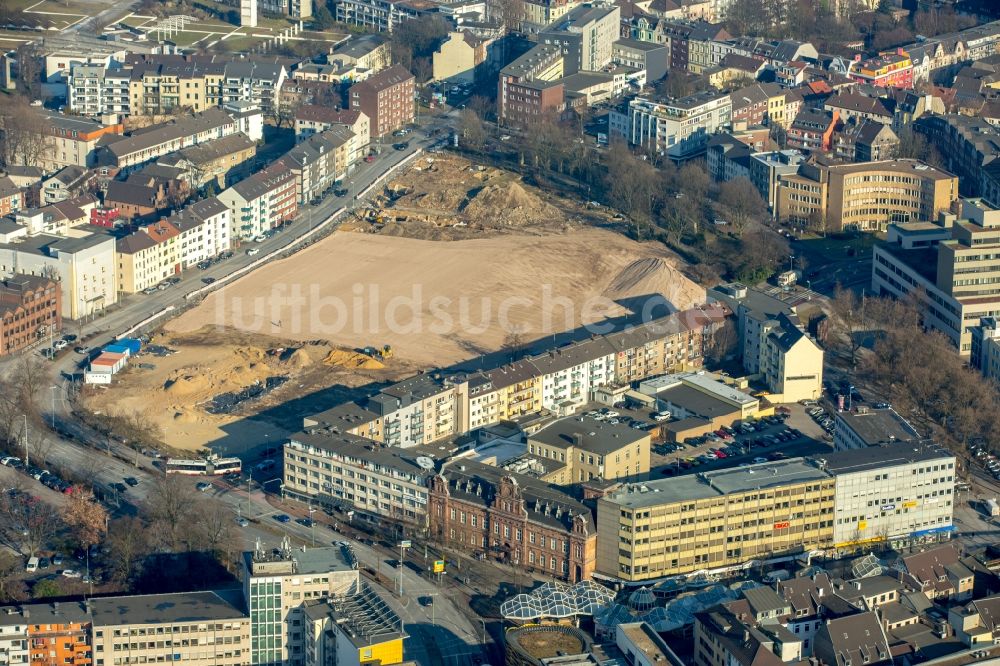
[[421, 409], [263, 201], [970, 148], [205, 231], [222, 161], [353, 629], [654, 59], [14, 636], [381, 15], [59, 634], [387, 98], [365, 54], [319, 161], [581, 448], [887, 70], [541, 13], [900, 494], [714, 520], [766, 170], [135, 202], [941, 573], [758, 104], [73, 141], [313, 118], [951, 50], [727, 158], [11, 197], [131, 152], [147, 257], [812, 130], [296, 9], [773, 344], [691, 43], [83, 262], [586, 35], [678, 128], [863, 428], [866, 196], [190, 627], [94, 90], [950, 265], [30, 310], [516, 519], [529, 86], [277, 585], [346, 472], [867, 141], [461, 57], [854, 106]]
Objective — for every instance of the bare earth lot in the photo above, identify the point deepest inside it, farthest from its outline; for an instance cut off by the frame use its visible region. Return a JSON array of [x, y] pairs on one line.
[[437, 303]]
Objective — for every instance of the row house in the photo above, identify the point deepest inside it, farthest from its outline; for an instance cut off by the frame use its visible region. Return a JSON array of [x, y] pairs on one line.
[[949, 51], [759, 104], [313, 118], [222, 161], [264, 201], [319, 162], [515, 519], [812, 130], [205, 231], [887, 70], [772, 53], [857, 107], [693, 44], [147, 257]]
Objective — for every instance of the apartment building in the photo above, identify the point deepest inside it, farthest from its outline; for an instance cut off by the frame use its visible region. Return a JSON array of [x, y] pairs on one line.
[[83, 262], [887, 70], [811, 130], [319, 161], [985, 351], [862, 428], [263, 201], [205, 231], [367, 54], [867, 196], [73, 142], [867, 141], [381, 15], [337, 470], [461, 57], [714, 520], [222, 161], [521, 521], [773, 344], [387, 98], [952, 49], [691, 43], [759, 104], [529, 87], [899, 493], [678, 128], [585, 35], [855, 106], [312, 118], [354, 629], [581, 448], [970, 147], [150, 143], [950, 264], [538, 14], [147, 257], [277, 586], [11, 197], [654, 59], [14, 636], [421, 409], [30, 310], [45, 634], [95, 90], [182, 628]]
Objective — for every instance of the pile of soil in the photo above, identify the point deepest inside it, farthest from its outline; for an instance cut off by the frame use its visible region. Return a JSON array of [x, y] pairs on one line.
[[508, 205], [343, 358]]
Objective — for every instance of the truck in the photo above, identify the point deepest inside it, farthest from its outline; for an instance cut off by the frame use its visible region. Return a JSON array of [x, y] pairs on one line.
[[992, 508]]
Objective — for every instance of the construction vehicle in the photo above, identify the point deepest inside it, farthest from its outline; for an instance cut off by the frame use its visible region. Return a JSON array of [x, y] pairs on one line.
[[378, 354]]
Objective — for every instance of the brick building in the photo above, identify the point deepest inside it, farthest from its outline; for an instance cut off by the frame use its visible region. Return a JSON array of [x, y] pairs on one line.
[[386, 98], [512, 518], [29, 306]]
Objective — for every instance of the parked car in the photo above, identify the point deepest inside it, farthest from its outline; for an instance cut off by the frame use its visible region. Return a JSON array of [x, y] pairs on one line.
[[253, 251], [70, 573], [208, 280], [203, 486], [282, 518], [132, 481], [242, 522]]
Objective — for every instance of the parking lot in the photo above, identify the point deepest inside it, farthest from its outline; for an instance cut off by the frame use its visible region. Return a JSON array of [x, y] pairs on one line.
[[786, 435]]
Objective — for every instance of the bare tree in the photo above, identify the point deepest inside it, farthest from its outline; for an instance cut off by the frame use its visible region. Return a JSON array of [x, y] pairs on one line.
[[472, 130], [631, 184], [169, 504], [742, 203], [25, 136], [128, 543], [214, 531], [513, 342], [849, 318], [26, 522], [11, 588]]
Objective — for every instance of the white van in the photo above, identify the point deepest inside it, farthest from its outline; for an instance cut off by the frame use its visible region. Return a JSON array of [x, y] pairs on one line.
[[661, 416], [32, 564]]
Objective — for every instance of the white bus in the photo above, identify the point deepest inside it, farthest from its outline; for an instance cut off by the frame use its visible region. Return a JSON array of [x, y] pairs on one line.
[[214, 467]]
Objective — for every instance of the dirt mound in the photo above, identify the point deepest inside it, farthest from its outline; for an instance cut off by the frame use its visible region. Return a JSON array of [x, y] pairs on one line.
[[186, 385], [343, 358], [654, 275], [508, 205], [300, 359]]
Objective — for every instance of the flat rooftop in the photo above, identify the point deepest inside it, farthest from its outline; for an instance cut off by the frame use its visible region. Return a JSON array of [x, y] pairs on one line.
[[699, 403], [875, 426], [765, 475], [922, 261], [882, 455], [589, 434], [648, 642], [166, 608], [662, 491]]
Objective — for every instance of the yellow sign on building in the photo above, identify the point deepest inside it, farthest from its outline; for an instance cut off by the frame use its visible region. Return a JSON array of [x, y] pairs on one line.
[[438, 566]]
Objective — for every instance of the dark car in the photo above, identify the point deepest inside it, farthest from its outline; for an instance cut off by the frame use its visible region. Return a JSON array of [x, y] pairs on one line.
[[120, 487], [305, 522], [401, 146], [132, 481], [340, 192], [208, 280], [282, 518], [426, 601], [69, 337]]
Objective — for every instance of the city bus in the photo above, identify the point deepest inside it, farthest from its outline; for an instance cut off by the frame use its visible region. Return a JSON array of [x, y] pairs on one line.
[[215, 467]]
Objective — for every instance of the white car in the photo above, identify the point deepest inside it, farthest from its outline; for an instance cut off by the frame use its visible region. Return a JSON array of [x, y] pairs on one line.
[[259, 239], [203, 487], [60, 344], [253, 251], [760, 461], [70, 573]]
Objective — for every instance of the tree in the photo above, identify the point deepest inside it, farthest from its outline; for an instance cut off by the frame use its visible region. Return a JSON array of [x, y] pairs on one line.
[[11, 588], [85, 517], [741, 202], [630, 184], [849, 317], [214, 531], [26, 522], [513, 342], [128, 544], [25, 137], [418, 38], [472, 130], [169, 504], [322, 18], [47, 587]]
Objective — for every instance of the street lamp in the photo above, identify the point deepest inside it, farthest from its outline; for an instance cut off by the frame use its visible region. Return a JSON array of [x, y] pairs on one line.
[[54, 388], [312, 524]]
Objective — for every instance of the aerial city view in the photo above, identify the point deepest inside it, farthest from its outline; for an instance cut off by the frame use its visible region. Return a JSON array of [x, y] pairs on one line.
[[500, 332]]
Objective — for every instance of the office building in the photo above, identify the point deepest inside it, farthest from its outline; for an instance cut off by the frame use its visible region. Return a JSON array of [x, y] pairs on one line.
[[867, 196], [277, 585], [899, 493], [985, 351], [354, 629], [30, 311], [182, 628], [519, 520], [585, 35], [950, 264], [766, 170], [714, 520]]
